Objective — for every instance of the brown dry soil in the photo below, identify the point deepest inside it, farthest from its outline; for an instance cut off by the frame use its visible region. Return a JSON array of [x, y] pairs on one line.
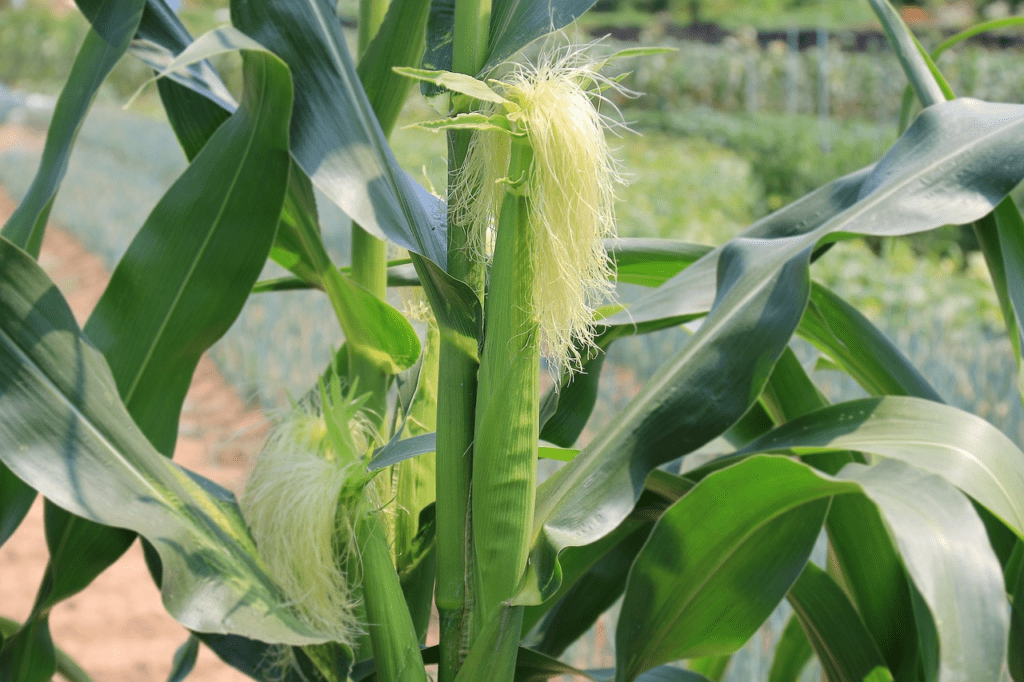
[[117, 628]]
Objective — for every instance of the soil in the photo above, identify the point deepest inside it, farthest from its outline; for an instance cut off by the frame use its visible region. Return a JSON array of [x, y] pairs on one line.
[[117, 628]]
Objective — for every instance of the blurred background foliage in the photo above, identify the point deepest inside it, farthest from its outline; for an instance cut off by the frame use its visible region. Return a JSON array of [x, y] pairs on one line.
[[722, 134]]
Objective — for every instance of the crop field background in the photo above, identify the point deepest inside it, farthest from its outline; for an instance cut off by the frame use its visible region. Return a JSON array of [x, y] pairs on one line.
[[722, 135]]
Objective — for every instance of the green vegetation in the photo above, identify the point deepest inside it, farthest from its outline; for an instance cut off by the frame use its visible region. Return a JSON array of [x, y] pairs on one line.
[[415, 443]]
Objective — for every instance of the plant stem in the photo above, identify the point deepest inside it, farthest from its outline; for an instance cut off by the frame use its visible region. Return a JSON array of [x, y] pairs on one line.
[[369, 254], [456, 408], [457, 389]]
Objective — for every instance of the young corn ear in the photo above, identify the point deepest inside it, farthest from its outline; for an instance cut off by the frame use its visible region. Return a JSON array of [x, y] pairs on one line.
[[306, 495], [571, 186]]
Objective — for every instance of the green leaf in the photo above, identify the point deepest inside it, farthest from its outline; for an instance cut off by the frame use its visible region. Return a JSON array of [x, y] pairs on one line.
[[184, 659], [961, 156], [78, 446], [859, 348], [17, 498], [839, 637], [29, 655], [159, 314], [719, 561], [650, 262], [565, 410], [916, 64], [517, 23], [697, 396], [946, 552], [966, 450], [591, 595], [1016, 643], [514, 25], [1010, 230], [97, 56], [691, 293], [66, 666], [793, 652], [188, 272], [336, 138], [711, 667], [399, 41], [456, 82], [876, 579]]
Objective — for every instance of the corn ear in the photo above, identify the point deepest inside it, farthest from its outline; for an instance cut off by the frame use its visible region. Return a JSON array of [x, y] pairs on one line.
[[505, 450]]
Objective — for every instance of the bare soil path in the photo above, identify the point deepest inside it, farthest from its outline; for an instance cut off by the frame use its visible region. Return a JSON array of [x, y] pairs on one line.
[[117, 629]]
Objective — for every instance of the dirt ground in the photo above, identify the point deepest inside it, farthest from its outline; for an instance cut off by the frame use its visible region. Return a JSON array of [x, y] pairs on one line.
[[117, 629]]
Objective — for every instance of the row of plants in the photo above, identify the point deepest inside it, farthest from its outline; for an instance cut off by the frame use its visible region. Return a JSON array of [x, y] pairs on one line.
[[408, 474], [737, 76]]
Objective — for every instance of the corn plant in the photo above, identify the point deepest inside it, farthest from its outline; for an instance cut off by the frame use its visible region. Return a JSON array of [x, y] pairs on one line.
[[406, 478]]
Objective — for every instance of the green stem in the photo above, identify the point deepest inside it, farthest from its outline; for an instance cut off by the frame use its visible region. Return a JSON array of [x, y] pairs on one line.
[[456, 407], [457, 389], [369, 254], [472, 34], [507, 409]]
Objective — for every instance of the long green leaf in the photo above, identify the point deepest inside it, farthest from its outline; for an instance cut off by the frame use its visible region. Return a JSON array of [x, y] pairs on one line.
[[67, 668], [954, 164], [389, 341], [517, 23], [966, 450], [514, 24], [945, 550], [650, 262], [1016, 643], [15, 500], [839, 637], [719, 561], [97, 56], [590, 596], [859, 348], [877, 581], [336, 138], [69, 436], [29, 655], [159, 314], [792, 654]]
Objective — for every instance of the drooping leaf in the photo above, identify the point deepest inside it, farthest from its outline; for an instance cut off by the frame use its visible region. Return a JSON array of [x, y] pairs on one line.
[[966, 450], [719, 561], [838, 635], [517, 23], [336, 138], [15, 500], [946, 552], [117, 22], [955, 163], [78, 446]]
